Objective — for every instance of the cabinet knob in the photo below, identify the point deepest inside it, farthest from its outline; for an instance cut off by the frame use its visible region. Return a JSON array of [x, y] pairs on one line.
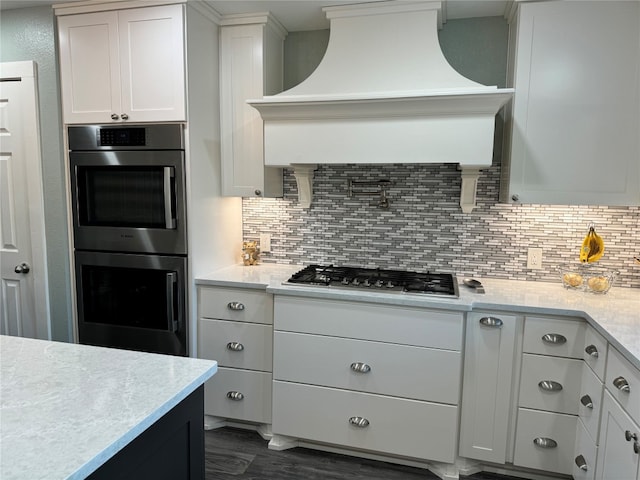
[[636, 448], [581, 463], [23, 268], [586, 401], [235, 306], [359, 422], [360, 367], [235, 346], [124, 116], [491, 322], [554, 339], [258, 192], [114, 116], [592, 351], [515, 197], [621, 384], [544, 442], [235, 396], [630, 436], [550, 386]]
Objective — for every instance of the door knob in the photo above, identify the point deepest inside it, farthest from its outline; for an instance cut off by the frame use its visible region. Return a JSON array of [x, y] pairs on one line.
[[22, 268]]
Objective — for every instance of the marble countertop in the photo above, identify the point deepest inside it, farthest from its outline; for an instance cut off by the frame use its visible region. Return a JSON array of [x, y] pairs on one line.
[[616, 315], [65, 409]]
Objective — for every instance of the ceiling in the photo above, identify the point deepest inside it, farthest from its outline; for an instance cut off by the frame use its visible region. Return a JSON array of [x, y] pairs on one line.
[[297, 15]]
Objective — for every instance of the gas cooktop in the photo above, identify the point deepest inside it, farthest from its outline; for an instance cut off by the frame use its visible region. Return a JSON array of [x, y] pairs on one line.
[[376, 279]]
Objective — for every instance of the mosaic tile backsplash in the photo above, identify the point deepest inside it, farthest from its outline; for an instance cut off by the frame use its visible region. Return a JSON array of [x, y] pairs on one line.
[[424, 228]]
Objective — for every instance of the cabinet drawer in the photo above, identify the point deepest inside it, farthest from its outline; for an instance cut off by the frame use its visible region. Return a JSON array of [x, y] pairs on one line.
[[584, 463], [366, 321], [620, 373], [255, 387], [551, 336], [395, 426], [398, 370], [239, 304], [595, 351], [535, 390], [590, 401], [236, 344], [534, 426]]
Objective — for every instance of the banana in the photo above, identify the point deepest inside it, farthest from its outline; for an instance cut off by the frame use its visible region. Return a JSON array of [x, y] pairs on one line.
[[592, 247]]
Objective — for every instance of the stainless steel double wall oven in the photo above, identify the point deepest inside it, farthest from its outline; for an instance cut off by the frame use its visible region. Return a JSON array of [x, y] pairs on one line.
[[130, 236]]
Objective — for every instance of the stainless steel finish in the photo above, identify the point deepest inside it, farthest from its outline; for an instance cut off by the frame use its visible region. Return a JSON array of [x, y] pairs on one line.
[[515, 197], [23, 268], [169, 219], [258, 192], [621, 384], [235, 396], [554, 339], [157, 137], [235, 306], [474, 284], [636, 448], [544, 442], [592, 350], [359, 422], [586, 401], [550, 386], [360, 367], [493, 322], [235, 346], [172, 321], [124, 116], [353, 187], [630, 436], [581, 463], [114, 116]]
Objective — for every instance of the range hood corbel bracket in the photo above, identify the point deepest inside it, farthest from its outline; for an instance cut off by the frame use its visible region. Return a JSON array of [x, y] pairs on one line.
[[468, 188], [304, 179]]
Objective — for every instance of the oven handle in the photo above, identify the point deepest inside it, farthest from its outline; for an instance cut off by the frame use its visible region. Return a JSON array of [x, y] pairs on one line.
[[172, 322], [169, 217]]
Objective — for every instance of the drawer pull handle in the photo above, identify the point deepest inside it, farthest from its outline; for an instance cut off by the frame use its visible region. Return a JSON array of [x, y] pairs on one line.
[[592, 350], [544, 442], [360, 367], [491, 322], [586, 401], [235, 346], [235, 396], [630, 436], [554, 339], [621, 384], [235, 306], [550, 386], [581, 463], [359, 422]]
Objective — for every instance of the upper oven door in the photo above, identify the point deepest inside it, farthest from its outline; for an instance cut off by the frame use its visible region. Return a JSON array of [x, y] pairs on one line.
[[129, 201]]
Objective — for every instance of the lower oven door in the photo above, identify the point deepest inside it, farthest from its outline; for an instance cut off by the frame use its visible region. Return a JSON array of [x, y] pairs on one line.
[[135, 302]]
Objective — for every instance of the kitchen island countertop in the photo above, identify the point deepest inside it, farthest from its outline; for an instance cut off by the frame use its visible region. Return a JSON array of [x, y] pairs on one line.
[[616, 315], [65, 409]]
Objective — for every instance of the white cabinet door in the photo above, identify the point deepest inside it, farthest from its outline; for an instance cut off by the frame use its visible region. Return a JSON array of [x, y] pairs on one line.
[[487, 386], [152, 63], [575, 112], [616, 456], [89, 67], [251, 65], [123, 65]]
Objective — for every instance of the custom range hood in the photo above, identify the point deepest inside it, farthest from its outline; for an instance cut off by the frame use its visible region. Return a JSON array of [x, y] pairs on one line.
[[383, 93]]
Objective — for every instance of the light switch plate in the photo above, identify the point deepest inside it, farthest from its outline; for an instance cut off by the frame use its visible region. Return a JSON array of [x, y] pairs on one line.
[[265, 242], [534, 258]]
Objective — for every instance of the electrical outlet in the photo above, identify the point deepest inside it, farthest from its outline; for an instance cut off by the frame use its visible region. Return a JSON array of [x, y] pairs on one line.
[[534, 258], [265, 242]]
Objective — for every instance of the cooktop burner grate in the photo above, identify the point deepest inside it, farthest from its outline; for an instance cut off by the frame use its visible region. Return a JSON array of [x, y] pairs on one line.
[[376, 279]]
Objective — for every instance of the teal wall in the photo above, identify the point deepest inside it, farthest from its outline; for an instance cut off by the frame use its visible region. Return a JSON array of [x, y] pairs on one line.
[[29, 34]]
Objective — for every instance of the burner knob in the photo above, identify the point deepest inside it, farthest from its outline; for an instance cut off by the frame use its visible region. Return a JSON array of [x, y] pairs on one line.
[[355, 282], [390, 285], [379, 283], [345, 281], [366, 283]]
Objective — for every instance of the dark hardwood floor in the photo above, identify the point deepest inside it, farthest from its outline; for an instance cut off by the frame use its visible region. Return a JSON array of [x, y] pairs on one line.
[[236, 454]]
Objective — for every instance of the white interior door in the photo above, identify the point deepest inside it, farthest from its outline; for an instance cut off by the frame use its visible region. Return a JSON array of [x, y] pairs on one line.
[[25, 307]]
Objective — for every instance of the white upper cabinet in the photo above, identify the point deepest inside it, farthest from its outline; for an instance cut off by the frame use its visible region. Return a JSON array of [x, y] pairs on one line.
[[251, 65], [125, 65], [576, 107]]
